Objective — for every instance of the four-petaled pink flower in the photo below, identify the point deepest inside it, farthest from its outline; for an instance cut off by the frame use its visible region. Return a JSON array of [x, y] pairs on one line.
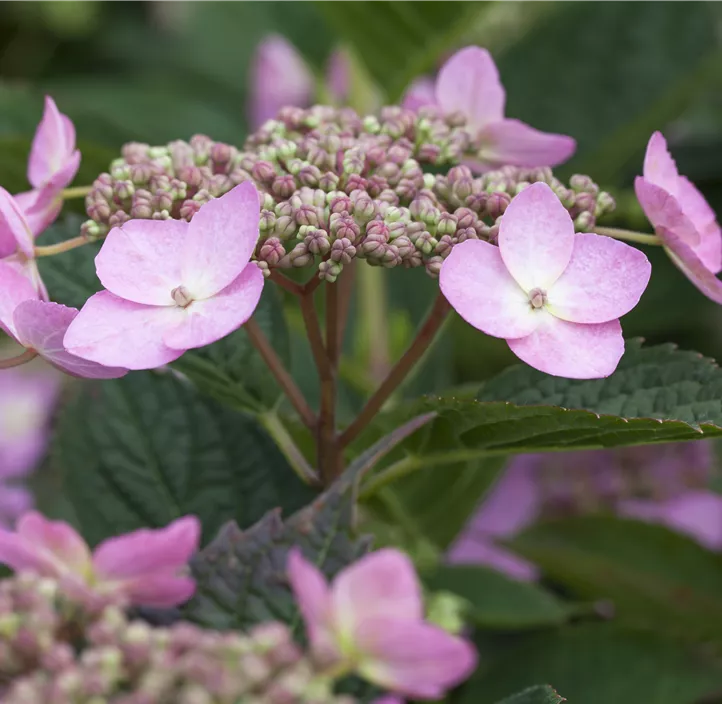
[[682, 219], [146, 567], [371, 621], [172, 285], [468, 84], [555, 296], [52, 166], [41, 326]]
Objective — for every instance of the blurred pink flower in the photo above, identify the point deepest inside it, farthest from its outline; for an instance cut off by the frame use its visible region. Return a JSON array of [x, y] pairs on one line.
[[52, 166], [172, 285], [682, 219], [41, 326], [146, 567], [468, 84], [370, 619], [555, 297], [661, 484], [280, 77], [27, 399]]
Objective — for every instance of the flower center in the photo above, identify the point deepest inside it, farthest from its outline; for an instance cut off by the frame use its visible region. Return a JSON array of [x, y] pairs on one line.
[[537, 298], [181, 296]]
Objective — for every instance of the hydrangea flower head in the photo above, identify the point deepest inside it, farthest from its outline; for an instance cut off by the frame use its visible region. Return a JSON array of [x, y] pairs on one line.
[[172, 285], [371, 619], [52, 166], [145, 566], [554, 295], [41, 326], [682, 218], [468, 84]]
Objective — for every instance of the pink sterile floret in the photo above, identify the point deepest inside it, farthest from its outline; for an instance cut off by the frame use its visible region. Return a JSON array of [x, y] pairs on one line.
[[682, 218], [172, 285], [555, 296], [370, 619], [468, 84], [145, 567], [41, 326], [52, 166]]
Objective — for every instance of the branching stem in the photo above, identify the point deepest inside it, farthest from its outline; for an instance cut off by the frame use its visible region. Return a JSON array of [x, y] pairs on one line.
[[23, 358], [628, 235], [53, 249]]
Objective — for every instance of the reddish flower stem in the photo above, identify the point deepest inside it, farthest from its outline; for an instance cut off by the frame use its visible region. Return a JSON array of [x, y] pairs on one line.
[[23, 358]]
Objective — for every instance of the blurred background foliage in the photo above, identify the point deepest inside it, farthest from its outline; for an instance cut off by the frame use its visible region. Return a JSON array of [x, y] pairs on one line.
[[606, 73]]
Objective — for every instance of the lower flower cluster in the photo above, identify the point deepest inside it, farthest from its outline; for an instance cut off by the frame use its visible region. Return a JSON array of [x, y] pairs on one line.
[[60, 650]]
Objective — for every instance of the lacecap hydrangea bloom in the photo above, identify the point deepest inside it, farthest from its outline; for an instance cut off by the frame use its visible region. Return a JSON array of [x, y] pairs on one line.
[[554, 295], [145, 567], [370, 621], [172, 285], [682, 218], [468, 85]]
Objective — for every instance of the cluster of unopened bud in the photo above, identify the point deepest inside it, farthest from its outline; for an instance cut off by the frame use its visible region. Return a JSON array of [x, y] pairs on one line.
[[336, 187], [54, 650]]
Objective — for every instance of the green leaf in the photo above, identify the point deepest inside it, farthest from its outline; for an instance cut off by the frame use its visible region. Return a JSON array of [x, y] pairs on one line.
[[232, 371], [498, 602], [658, 394], [70, 276], [562, 76], [542, 694], [654, 578], [240, 575], [596, 664], [145, 449], [400, 41]]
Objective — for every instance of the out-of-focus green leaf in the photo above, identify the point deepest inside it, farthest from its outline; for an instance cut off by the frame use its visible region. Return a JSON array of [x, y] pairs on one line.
[[654, 578], [609, 74], [597, 664], [498, 602], [400, 41], [144, 450]]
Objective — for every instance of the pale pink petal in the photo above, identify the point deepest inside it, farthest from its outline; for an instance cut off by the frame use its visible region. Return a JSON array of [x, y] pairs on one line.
[[469, 83], [516, 143], [119, 333], [14, 289], [14, 227], [659, 167], [141, 261], [279, 78], [56, 539], [42, 326], [313, 597], [380, 585], [412, 658], [220, 241], [20, 555], [421, 92], [41, 207], [477, 284], [536, 237], [157, 591], [28, 268], [572, 350], [697, 209], [53, 145], [673, 228], [480, 550], [604, 280], [148, 550], [694, 513], [211, 319]]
